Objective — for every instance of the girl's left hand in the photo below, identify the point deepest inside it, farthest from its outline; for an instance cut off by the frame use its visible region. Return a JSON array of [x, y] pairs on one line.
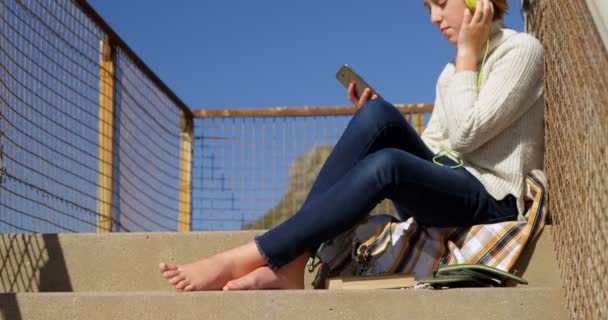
[[475, 28], [359, 102]]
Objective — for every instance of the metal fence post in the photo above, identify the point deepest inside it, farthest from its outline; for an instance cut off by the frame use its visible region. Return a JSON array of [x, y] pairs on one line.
[[106, 136], [185, 194]]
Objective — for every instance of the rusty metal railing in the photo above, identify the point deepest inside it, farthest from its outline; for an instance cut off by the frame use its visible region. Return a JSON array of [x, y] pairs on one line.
[[91, 138], [252, 168]]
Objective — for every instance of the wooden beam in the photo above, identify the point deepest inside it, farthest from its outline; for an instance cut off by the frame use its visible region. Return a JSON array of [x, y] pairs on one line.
[[419, 122], [105, 194], [299, 111], [185, 192]]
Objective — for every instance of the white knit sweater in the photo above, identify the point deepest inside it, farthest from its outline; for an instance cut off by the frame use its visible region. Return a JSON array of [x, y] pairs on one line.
[[498, 132]]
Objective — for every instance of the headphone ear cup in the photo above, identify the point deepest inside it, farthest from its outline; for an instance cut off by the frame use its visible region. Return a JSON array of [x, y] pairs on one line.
[[472, 4]]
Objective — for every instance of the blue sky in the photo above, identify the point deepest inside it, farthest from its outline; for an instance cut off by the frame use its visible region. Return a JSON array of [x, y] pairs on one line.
[[237, 53]]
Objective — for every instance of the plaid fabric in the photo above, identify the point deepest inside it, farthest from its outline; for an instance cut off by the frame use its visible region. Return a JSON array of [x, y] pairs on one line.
[[383, 245]]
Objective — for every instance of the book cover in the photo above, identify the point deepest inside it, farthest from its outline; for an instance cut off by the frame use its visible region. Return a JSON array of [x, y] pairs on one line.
[[384, 281]]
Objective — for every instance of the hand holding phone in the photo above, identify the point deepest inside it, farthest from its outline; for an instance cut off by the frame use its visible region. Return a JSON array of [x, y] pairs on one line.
[[360, 101], [356, 86]]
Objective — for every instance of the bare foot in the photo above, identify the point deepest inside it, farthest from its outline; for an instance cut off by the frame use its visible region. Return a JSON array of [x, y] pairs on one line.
[[290, 276], [214, 272], [205, 274]]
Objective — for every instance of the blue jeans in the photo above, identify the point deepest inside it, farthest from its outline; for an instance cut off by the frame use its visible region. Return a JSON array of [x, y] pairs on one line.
[[380, 156]]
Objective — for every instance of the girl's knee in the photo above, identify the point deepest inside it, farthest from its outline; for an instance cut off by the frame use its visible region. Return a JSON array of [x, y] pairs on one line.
[[378, 103], [379, 109]]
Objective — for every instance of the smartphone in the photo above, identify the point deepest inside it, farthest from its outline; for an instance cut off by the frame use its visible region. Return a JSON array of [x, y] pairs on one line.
[[346, 75]]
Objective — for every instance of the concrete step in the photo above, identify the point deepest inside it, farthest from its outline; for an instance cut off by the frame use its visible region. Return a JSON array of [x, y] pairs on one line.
[[129, 261], [472, 303]]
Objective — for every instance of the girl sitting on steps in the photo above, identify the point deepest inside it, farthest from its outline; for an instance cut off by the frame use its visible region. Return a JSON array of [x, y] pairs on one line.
[[468, 167]]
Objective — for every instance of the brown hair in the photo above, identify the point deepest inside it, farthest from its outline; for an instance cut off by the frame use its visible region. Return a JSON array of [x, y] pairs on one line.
[[500, 8]]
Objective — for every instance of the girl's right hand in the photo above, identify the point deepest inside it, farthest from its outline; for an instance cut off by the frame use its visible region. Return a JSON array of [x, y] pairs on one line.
[[359, 102], [475, 29]]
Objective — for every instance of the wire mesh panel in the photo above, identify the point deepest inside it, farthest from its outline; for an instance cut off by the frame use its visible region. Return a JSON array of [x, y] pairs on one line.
[[254, 172], [147, 163], [576, 159], [49, 89], [66, 102]]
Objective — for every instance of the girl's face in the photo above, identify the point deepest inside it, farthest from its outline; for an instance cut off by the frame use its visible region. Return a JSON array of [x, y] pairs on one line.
[[447, 16]]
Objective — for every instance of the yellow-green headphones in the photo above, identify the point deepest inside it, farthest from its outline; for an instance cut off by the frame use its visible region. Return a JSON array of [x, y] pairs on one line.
[[472, 4], [448, 152]]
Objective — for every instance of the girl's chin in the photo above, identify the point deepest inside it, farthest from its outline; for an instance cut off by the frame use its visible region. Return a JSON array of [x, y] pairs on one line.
[[452, 39]]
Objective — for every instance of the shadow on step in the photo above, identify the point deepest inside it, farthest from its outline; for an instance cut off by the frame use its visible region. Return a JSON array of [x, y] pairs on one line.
[[32, 263], [523, 263], [8, 306]]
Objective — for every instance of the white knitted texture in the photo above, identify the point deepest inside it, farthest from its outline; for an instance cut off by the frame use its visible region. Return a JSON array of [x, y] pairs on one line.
[[498, 131]]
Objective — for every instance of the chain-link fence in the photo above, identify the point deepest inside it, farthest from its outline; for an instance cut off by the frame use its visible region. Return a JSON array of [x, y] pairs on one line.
[[576, 158]]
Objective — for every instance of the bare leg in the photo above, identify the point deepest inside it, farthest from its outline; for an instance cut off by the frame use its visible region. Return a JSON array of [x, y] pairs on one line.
[[214, 272], [289, 276]]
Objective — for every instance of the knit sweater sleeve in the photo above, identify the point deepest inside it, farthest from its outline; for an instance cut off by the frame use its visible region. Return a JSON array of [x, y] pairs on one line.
[[512, 85]]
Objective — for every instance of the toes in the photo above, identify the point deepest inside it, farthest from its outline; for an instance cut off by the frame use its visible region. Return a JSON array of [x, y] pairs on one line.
[[175, 280], [166, 267], [189, 287], [182, 285], [229, 286], [170, 274]]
